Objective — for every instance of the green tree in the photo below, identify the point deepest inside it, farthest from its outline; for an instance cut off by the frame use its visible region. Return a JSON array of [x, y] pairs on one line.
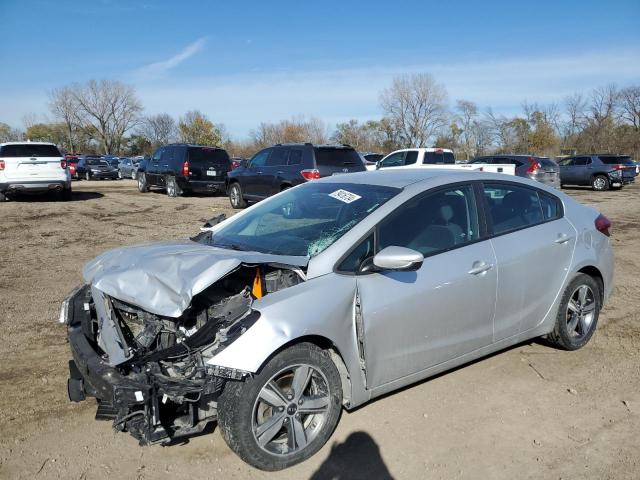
[[195, 127]]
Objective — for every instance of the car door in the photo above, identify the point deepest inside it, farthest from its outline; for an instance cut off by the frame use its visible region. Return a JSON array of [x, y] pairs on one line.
[[566, 172], [534, 244], [251, 178], [582, 170], [153, 167], [274, 171], [413, 320], [393, 160]]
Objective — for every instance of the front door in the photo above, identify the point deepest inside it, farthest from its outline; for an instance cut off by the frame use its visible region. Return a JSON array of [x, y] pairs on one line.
[[415, 320], [252, 176]]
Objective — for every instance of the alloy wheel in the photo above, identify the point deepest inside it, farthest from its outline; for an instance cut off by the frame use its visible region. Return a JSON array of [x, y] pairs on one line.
[[235, 196], [291, 409], [580, 311], [599, 183]]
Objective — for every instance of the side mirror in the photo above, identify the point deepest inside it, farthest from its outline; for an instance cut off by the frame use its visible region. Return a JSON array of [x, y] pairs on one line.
[[398, 259]]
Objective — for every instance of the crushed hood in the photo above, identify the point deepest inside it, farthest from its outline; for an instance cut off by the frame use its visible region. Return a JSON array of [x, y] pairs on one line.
[[162, 278]]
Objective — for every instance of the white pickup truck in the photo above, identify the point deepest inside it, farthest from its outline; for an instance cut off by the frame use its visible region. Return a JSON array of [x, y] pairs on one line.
[[33, 167], [435, 158]]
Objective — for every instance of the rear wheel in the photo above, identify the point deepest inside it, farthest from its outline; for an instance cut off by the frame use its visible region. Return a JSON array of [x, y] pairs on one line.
[[87, 176], [173, 190], [236, 196], [578, 313], [143, 187], [119, 175], [133, 175], [284, 414], [600, 183], [3, 197]]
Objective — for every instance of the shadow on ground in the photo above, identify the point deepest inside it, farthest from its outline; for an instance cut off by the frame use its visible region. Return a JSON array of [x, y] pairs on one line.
[[51, 197], [357, 458]]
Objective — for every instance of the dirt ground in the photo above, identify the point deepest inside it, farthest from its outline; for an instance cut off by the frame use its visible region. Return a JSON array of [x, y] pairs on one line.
[[528, 412]]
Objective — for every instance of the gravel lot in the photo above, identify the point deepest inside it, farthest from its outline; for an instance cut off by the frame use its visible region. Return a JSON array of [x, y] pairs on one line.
[[527, 412]]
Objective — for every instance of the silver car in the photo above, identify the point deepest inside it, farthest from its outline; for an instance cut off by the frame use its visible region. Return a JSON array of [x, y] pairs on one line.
[[326, 296]]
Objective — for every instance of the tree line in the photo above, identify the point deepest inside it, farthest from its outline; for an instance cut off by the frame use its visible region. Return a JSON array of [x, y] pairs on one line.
[[106, 116]]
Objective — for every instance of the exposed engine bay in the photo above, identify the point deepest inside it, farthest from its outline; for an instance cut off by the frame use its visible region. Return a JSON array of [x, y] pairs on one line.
[[149, 372]]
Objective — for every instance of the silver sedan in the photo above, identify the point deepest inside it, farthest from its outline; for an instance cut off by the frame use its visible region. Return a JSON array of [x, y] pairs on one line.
[[326, 296]]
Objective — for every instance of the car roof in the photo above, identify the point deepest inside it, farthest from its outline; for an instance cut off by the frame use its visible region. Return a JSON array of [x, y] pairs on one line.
[[27, 143], [403, 177], [424, 149]]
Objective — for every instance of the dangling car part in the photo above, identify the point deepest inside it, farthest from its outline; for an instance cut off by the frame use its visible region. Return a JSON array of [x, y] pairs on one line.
[[325, 296]]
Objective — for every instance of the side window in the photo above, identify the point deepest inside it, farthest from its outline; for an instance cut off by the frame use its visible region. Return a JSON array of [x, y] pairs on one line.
[[512, 207], [582, 161], [551, 206], [433, 223], [260, 158], [156, 155], [295, 157], [363, 251], [566, 162], [411, 157], [278, 157], [394, 160], [167, 156]]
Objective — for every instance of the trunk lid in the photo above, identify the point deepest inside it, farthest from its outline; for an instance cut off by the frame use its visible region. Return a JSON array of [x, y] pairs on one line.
[[31, 161]]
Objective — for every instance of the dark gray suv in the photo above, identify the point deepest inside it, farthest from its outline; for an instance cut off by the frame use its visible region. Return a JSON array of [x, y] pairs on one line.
[[541, 169], [600, 171], [286, 165]]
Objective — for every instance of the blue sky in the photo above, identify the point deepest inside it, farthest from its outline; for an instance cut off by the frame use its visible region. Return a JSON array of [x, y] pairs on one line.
[[246, 62]]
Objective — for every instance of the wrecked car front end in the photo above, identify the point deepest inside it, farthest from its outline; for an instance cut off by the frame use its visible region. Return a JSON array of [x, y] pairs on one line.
[[149, 369]]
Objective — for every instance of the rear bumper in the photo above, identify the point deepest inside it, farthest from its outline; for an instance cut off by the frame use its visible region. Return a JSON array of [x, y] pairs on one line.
[[34, 186], [104, 175], [201, 186]]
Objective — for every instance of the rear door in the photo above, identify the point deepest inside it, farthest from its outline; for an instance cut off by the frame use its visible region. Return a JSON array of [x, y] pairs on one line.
[[32, 162], [534, 244], [337, 160], [208, 164]]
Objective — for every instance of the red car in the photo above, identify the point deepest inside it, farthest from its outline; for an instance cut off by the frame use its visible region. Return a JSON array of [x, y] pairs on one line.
[[72, 161]]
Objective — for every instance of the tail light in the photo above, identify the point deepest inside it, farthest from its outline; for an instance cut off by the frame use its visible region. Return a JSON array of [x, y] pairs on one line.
[[185, 169], [619, 167], [311, 174], [603, 224], [1, 164], [533, 165], [63, 164]]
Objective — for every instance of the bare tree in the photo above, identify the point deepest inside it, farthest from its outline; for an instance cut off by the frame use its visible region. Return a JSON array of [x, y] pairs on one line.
[[417, 104], [575, 106], [63, 107], [296, 130], [106, 109], [630, 106], [159, 129], [467, 116]]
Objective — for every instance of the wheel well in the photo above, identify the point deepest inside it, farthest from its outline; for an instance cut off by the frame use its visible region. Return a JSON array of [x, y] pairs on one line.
[[284, 186], [230, 182], [594, 273], [335, 355]]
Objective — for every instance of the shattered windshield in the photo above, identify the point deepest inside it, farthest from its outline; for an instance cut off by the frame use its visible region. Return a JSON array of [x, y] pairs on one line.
[[303, 221]]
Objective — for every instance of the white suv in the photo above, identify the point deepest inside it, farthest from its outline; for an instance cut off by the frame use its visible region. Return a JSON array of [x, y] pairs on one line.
[[33, 167], [416, 157]]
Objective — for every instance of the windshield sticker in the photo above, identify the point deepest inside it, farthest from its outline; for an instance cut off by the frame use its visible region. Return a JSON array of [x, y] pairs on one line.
[[345, 196]]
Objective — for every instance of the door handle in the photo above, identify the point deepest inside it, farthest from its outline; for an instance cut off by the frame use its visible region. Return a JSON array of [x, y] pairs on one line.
[[280, 172], [562, 238], [259, 172], [479, 267], [165, 165]]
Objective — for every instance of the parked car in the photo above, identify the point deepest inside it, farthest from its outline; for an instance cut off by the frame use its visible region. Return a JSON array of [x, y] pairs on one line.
[[237, 161], [414, 157], [33, 167], [96, 168], [180, 168], [541, 169], [600, 171], [326, 296], [127, 167], [112, 160], [141, 163], [370, 159], [281, 167], [72, 162]]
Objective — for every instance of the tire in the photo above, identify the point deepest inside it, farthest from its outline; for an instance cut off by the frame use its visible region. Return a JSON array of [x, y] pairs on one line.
[[87, 176], [243, 412], [119, 175], [600, 183], [173, 190], [236, 197], [576, 321], [133, 175], [143, 186], [3, 197]]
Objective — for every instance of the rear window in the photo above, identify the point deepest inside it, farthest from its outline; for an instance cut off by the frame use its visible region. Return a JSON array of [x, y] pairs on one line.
[[29, 150], [208, 156], [439, 158], [616, 160], [336, 157], [374, 157]]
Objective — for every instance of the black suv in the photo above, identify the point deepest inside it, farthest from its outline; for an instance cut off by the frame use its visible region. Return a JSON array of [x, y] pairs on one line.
[[180, 168], [600, 171], [283, 166]]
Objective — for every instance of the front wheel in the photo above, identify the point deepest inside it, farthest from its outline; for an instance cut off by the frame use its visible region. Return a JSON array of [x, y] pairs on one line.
[[119, 175], [133, 175], [578, 313], [236, 196], [600, 183], [284, 414], [143, 187]]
